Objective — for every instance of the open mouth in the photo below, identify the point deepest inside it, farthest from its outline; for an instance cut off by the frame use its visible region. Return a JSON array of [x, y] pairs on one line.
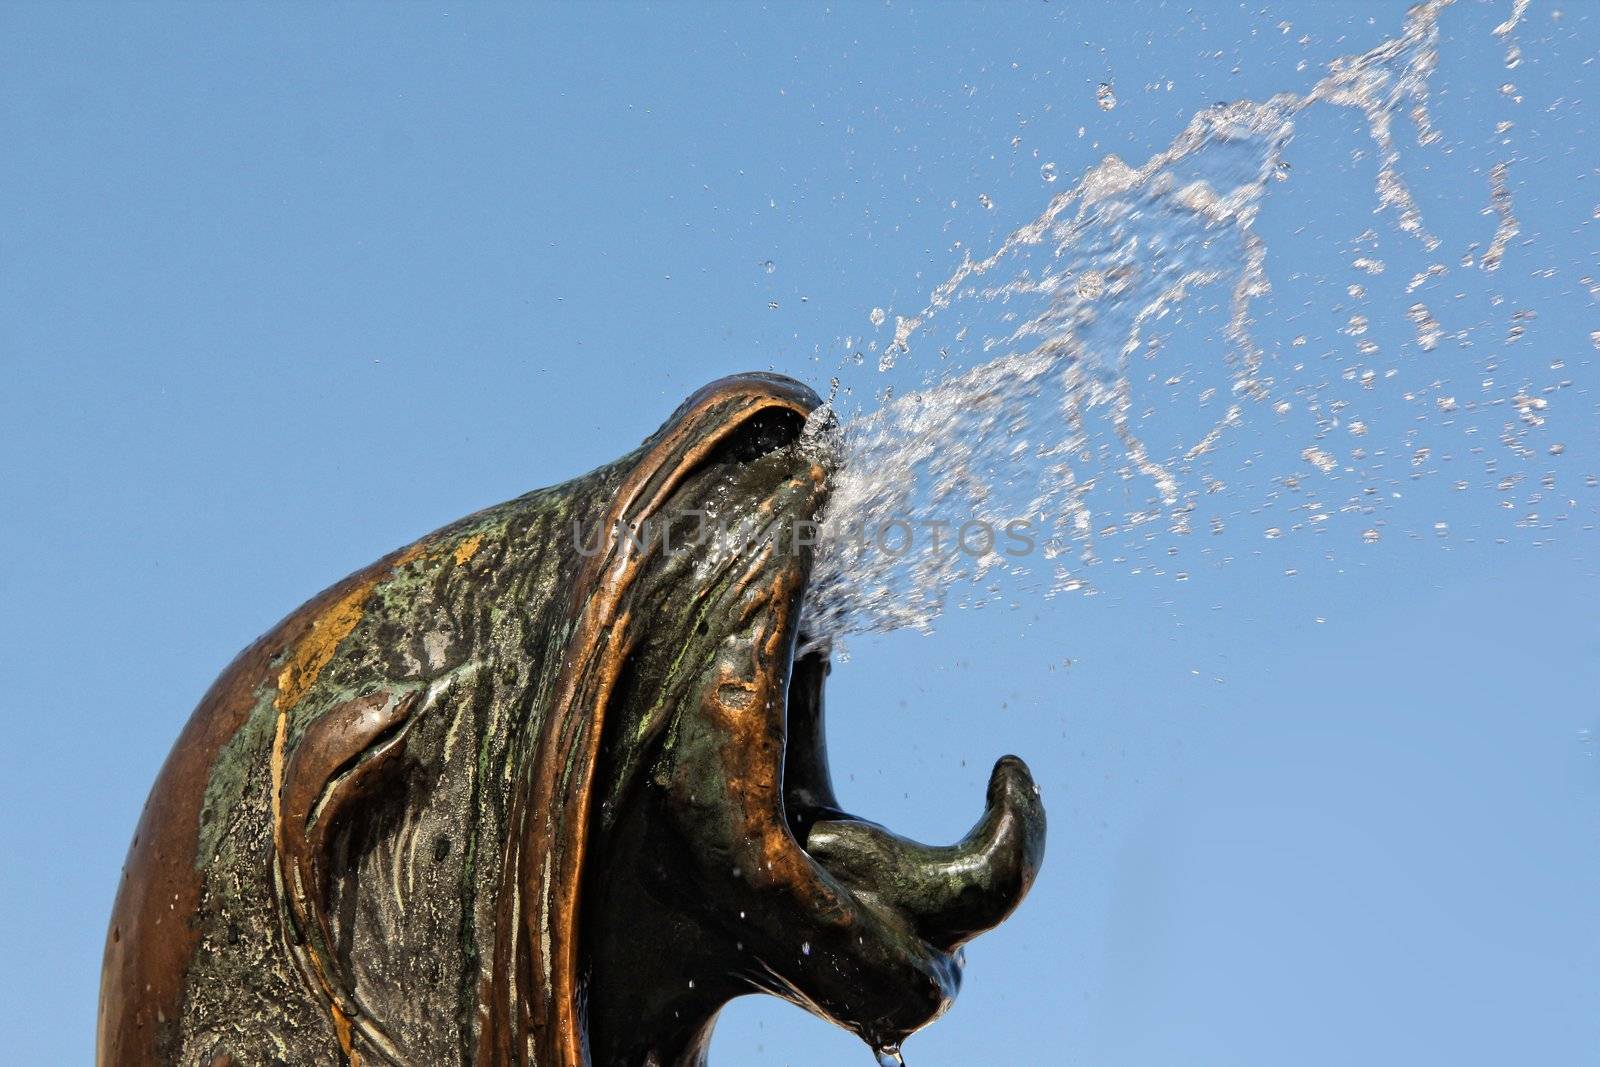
[[829, 910]]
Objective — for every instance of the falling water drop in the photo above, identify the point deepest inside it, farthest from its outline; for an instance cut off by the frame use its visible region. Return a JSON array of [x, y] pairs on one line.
[[1105, 96], [889, 1056], [1048, 172]]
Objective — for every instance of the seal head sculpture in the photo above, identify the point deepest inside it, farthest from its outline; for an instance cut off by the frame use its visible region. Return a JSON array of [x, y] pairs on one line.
[[546, 788]]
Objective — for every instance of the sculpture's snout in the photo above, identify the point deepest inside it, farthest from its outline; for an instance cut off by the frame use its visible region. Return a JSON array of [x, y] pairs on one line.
[[953, 893]]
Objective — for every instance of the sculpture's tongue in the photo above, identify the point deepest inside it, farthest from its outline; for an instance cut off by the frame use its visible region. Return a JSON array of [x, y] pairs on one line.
[[949, 894]]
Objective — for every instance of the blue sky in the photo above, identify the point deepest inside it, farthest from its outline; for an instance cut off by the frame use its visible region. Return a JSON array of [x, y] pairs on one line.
[[286, 287]]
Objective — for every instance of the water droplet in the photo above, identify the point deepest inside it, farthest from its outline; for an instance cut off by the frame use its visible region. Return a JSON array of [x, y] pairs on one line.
[[877, 316], [805, 948], [889, 1056], [1105, 96], [1319, 459], [1048, 172], [769, 266], [983, 198]]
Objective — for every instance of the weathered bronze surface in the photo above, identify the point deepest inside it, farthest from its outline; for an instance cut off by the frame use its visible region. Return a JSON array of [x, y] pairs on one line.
[[544, 789]]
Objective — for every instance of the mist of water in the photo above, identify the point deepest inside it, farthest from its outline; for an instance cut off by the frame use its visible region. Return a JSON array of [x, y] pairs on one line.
[[1061, 380]]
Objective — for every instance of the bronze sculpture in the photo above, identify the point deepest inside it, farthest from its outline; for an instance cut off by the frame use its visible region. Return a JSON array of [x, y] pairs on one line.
[[538, 790]]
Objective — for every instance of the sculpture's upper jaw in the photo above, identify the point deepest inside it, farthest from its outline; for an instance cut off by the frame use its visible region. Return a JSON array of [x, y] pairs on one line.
[[830, 911]]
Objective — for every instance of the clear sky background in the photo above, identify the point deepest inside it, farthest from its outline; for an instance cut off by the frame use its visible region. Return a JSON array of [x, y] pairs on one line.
[[284, 287]]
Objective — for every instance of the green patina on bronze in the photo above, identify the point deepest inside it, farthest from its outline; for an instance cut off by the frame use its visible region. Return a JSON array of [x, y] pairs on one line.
[[545, 789]]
